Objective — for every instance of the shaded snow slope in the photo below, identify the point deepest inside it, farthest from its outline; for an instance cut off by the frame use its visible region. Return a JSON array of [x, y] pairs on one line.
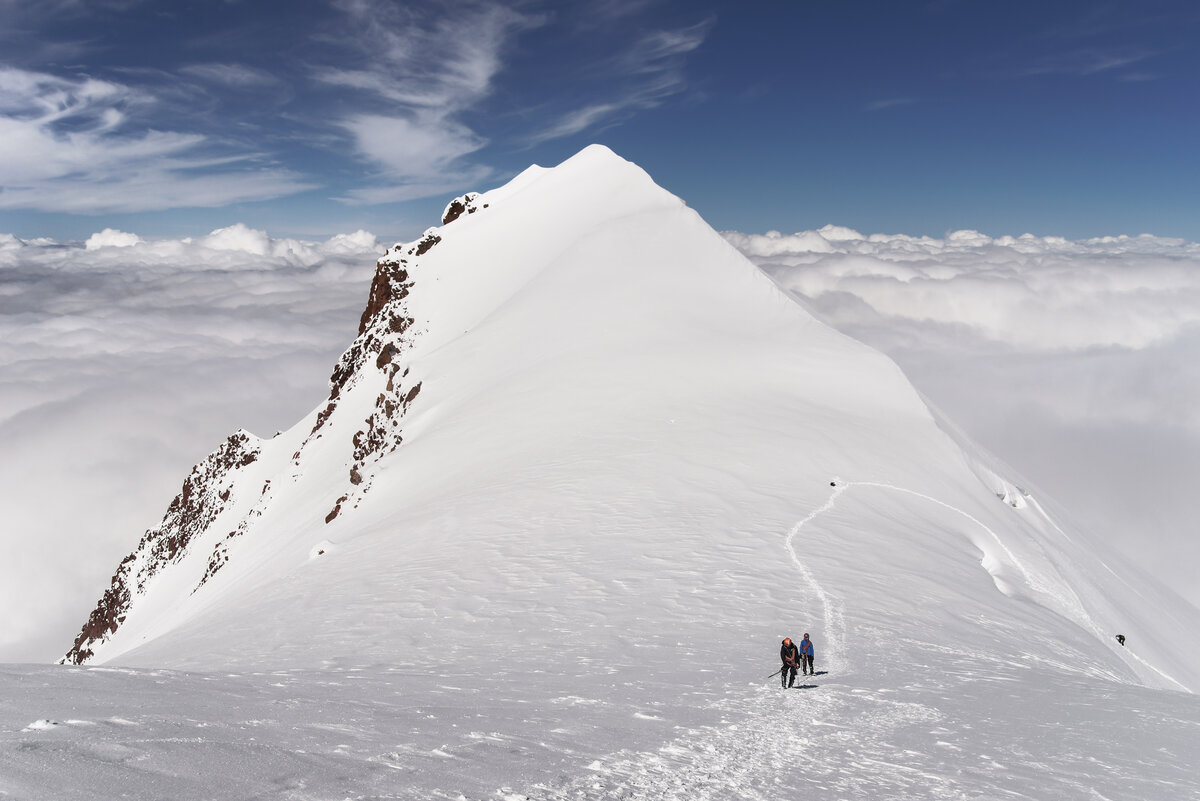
[[575, 419]]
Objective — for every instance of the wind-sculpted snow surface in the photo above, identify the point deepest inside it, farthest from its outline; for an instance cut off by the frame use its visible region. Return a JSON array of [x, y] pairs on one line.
[[939, 724], [582, 469]]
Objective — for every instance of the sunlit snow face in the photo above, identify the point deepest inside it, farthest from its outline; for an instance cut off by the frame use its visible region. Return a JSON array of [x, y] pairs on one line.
[[1076, 361], [126, 361]]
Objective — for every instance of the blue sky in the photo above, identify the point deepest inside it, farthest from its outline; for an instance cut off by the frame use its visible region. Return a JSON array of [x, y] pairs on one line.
[[171, 118]]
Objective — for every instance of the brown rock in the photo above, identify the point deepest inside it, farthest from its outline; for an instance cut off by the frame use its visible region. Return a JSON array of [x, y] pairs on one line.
[[427, 242]]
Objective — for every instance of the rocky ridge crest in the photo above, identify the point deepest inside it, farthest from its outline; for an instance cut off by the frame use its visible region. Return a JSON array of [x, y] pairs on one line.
[[385, 335]]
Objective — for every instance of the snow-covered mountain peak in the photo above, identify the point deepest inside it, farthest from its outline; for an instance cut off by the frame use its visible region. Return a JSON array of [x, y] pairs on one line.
[[574, 417], [416, 296]]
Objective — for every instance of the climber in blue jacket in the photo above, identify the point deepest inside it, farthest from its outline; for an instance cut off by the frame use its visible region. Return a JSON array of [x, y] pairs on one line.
[[806, 656]]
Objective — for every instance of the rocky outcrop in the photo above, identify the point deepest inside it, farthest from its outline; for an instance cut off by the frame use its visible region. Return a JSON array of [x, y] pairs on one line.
[[383, 328], [391, 284], [464, 204], [204, 495], [424, 244], [107, 616], [386, 333], [337, 507], [382, 434]]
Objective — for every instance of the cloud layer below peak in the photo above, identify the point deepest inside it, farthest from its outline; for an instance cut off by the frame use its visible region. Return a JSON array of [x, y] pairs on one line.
[[123, 362], [1032, 293], [125, 359]]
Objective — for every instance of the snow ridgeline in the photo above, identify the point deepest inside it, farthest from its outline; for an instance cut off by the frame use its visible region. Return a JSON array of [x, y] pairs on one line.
[[204, 504], [559, 290], [591, 501]]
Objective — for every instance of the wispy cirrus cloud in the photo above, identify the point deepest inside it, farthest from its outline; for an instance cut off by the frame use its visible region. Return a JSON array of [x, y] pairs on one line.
[[1089, 61], [426, 57], [236, 76], [615, 10], [641, 77], [422, 68], [426, 68], [423, 155], [82, 145], [578, 120], [1101, 39], [1138, 77], [383, 99]]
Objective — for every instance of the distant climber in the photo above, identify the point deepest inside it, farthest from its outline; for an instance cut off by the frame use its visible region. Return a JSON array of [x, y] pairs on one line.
[[1121, 639], [791, 660], [806, 656]]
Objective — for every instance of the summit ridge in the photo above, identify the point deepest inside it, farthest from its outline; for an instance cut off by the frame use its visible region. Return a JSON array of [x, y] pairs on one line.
[[574, 387]]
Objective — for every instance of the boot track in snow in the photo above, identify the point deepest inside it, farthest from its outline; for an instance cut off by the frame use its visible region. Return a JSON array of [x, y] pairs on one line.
[[835, 625]]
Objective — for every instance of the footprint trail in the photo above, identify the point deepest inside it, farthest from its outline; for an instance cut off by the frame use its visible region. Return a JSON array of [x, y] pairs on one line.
[[835, 623], [835, 627]]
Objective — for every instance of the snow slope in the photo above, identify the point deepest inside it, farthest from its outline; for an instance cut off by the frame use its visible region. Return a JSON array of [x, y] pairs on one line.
[[582, 469], [949, 723]]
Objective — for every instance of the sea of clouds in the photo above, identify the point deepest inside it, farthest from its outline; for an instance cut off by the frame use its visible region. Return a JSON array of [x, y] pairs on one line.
[[124, 361], [1077, 362]]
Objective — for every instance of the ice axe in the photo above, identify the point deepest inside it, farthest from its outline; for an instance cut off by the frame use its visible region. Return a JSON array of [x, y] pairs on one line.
[[785, 667]]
